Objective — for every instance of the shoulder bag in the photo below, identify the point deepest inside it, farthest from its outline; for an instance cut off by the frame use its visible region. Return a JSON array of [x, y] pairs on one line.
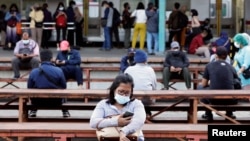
[[104, 22], [246, 72], [113, 133]]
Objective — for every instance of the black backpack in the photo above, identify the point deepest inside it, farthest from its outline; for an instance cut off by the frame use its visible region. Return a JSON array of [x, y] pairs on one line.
[[116, 17], [182, 20]]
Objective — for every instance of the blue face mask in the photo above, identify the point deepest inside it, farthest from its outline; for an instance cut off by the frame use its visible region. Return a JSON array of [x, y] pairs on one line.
[[26, 42], [121, 99]]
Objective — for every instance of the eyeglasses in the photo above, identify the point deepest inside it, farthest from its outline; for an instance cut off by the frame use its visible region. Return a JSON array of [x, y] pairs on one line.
[[124, 92]]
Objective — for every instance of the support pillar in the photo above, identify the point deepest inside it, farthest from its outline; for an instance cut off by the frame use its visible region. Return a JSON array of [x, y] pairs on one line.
[[162, 24]]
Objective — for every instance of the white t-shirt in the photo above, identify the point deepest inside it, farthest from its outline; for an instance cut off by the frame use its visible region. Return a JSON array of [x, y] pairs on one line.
[[143, 75], [140, 16]]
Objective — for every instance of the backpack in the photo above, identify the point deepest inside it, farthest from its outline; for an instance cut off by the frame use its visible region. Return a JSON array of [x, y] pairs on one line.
[[12, 22], [61, 21], [182, 20], [116, 17]]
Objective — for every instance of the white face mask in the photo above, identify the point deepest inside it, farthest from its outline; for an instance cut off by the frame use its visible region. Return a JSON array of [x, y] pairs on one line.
[[26, 42], [61, 8], [121, 99], [237, 45]]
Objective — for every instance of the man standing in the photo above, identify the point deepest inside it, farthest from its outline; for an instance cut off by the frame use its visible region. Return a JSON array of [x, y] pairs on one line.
[[71, 19], [174, 29], [176, 66], [108, 17], [127, 24], [69, 60], [152, 29], [2, 25], [47, 76], [47, 31], [26, 54], [115, 25]]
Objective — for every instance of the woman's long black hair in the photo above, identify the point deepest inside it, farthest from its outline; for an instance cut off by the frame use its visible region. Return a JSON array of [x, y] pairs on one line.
[[121, 78]]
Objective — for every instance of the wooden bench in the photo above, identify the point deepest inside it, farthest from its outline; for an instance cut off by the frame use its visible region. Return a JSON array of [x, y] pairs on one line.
[[191, 97], [67, 131], [88, 70]]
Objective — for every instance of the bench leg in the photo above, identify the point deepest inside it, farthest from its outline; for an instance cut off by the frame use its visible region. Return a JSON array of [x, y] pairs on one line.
[[192, 113], [10, 83]]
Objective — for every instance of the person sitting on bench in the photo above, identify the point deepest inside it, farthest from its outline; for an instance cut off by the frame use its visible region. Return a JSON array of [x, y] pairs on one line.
[[176, 66], [47, 76], [69, 60], [26, 54], [221, 76]]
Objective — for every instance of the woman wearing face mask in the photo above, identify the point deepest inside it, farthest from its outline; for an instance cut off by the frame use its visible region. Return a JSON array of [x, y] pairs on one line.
[[12, 17], [119, 101], [60, 18], [242, 57]]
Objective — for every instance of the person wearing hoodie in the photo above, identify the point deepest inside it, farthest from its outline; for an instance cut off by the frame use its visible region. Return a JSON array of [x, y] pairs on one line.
[[176, 66]]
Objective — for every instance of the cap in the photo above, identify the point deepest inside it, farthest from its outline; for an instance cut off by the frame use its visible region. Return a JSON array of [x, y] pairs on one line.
[[64, 45], [175, 44], [131, 50], [140, 56]]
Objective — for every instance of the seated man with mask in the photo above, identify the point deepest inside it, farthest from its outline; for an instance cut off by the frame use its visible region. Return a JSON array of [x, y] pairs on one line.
[[176, 66], [69, 60], [26, 54]]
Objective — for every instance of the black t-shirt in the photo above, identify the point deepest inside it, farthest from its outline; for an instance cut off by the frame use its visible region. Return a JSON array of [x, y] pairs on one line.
[[220, 74]]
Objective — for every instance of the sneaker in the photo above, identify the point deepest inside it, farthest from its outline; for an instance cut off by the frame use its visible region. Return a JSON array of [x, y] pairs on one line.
[[16, 77], [207, 117], [32, 113], [66, 113], [164, 88]]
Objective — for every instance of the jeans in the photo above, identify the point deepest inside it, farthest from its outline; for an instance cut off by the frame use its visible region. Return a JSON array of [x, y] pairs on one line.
[[106, 43], [152, 41], [11, 35]]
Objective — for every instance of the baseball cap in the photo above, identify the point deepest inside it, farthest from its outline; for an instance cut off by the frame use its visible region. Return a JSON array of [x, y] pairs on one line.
[[64, 45], [175, 44], [131, 50]]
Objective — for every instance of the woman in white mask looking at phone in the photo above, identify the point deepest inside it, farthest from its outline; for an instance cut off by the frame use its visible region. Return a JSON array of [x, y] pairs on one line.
[[119, 102], [242, 58]]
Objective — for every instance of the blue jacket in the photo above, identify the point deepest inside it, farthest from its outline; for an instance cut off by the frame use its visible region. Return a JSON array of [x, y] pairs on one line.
[[126, 62], [71, 58], [38, 80]]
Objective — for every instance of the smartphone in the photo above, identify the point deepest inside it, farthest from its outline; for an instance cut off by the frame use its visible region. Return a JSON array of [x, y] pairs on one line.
[[128, 114], [24, 54], [60, 61]]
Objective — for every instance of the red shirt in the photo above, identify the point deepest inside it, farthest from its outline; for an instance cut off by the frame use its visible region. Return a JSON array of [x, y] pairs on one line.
[[196, 43]]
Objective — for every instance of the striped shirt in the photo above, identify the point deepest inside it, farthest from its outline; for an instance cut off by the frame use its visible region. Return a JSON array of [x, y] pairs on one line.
[[104, 109]]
